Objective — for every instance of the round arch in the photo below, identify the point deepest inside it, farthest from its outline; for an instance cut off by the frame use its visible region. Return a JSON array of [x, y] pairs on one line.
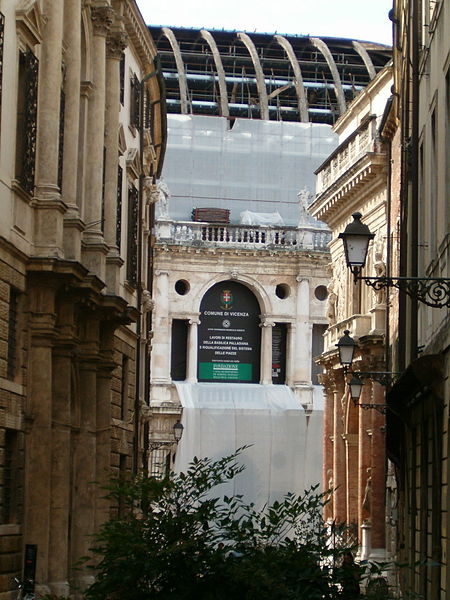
[[253, 284], [229, 334]]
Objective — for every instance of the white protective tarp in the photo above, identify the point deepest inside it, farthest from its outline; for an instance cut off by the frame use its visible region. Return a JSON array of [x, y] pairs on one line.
[[286, 444], [261, 219], [256, 165]]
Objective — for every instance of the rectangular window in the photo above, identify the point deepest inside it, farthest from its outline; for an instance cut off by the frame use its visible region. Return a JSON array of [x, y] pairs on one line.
[[279, 338], [26, 120], [62, 108], [119, 207], [316, 350], [132, 241], [447, 143], [148, 110], [135, 102], [11, 470], [122, 78], [11, 364], [178, 368], [433, 189]]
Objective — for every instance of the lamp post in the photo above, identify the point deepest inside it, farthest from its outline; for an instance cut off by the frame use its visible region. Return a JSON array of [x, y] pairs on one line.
[[434, 292]]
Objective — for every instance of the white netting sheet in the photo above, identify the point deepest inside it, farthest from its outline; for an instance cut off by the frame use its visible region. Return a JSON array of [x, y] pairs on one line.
[[257, 165], [286, 451]]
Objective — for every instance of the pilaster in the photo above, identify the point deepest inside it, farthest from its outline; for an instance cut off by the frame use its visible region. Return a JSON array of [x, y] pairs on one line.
[[94, 248], [49, 210], [266, 351], [302, 372], [192, 343], [115, 44], [72, 82], [161, 345]]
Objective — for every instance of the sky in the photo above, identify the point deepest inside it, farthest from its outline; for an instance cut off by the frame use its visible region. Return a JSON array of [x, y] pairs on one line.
[[355, 19]]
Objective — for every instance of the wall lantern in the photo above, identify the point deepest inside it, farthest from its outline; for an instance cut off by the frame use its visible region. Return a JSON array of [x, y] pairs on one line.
[[346, 347], [355, 385], [178, 429], [356, 238]]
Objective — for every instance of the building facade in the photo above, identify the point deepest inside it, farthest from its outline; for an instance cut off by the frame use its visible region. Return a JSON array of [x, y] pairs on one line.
[[354, 178], [417, 423], [82, 142], [249, 122]]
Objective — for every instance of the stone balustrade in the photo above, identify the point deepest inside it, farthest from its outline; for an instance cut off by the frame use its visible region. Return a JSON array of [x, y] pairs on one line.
[[245, 236], [347, 154]]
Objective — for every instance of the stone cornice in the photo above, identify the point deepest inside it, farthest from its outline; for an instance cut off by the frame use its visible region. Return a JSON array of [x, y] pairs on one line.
[[139, 34]]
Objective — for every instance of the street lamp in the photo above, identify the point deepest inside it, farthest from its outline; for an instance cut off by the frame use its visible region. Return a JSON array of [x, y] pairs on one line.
[[356, 237], [346, 347], [355, 385], [178, 429]]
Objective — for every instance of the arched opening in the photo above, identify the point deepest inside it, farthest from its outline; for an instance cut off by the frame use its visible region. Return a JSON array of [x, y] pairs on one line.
[[229, 335]]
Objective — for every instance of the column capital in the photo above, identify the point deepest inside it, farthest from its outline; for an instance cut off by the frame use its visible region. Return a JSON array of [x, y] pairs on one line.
[[102, 19], [160, 272], [300, 278], [267, 321], [194, 321], [116, 42]]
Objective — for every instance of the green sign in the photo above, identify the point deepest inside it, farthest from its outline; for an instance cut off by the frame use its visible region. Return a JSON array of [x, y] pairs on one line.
[[225, 371]]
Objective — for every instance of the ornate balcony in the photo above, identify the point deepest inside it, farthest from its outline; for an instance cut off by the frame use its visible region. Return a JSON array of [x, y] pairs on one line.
[[188, 233]]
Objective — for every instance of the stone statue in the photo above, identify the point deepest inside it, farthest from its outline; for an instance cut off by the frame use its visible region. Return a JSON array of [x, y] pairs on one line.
[[148, 304], [164, 195], [304, 199], [380, 271], [367, 500], [151, 191], [331, 304]]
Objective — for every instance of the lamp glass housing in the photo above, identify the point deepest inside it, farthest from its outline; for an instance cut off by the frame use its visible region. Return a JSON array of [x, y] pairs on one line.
[[178, 430], [355, 386], [346, 347], [356, 238]]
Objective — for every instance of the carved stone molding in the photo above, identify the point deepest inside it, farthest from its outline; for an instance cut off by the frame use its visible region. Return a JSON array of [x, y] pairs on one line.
[[102, 18], [116, 42]]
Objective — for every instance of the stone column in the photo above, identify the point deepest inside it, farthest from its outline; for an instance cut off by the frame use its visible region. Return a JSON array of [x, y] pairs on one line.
[[192, 347], [339, 455], [72, 40], [115, 45], [378, 458], [38, 472], [85, 461], [302, 369], [328, 437], [290, 352], [103, 424], [94, 251], [364, 460], [61, 465], [266, 351], [161, 343], [351, 447], [49, 210]]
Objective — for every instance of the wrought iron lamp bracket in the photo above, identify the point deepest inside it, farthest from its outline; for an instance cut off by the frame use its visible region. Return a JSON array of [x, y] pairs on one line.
[[156, 445], [385, 378], [432, 292]]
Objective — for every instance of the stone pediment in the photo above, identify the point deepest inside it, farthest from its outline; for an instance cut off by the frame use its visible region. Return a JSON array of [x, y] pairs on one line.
[[29, 22]]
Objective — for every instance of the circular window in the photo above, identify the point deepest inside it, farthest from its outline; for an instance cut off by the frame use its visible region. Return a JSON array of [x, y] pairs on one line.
[[321, 292], [182, 287], [282, 291]]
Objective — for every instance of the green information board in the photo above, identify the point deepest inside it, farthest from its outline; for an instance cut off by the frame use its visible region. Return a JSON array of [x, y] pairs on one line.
[[225, 371]]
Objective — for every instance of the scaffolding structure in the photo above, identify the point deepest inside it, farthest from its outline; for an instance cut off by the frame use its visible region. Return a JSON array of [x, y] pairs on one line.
[[264, 76]]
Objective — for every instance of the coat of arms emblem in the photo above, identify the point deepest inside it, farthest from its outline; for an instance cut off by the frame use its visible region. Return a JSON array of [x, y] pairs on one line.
[[226, 299]]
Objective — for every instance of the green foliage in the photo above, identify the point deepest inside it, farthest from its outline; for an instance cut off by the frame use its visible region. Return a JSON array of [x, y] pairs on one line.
[[176, 541]]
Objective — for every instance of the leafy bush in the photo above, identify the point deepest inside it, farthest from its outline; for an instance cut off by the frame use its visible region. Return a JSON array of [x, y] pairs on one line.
[[175, 541]]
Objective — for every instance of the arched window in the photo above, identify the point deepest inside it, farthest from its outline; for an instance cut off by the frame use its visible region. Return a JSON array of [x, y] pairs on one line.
[[229, 335]]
